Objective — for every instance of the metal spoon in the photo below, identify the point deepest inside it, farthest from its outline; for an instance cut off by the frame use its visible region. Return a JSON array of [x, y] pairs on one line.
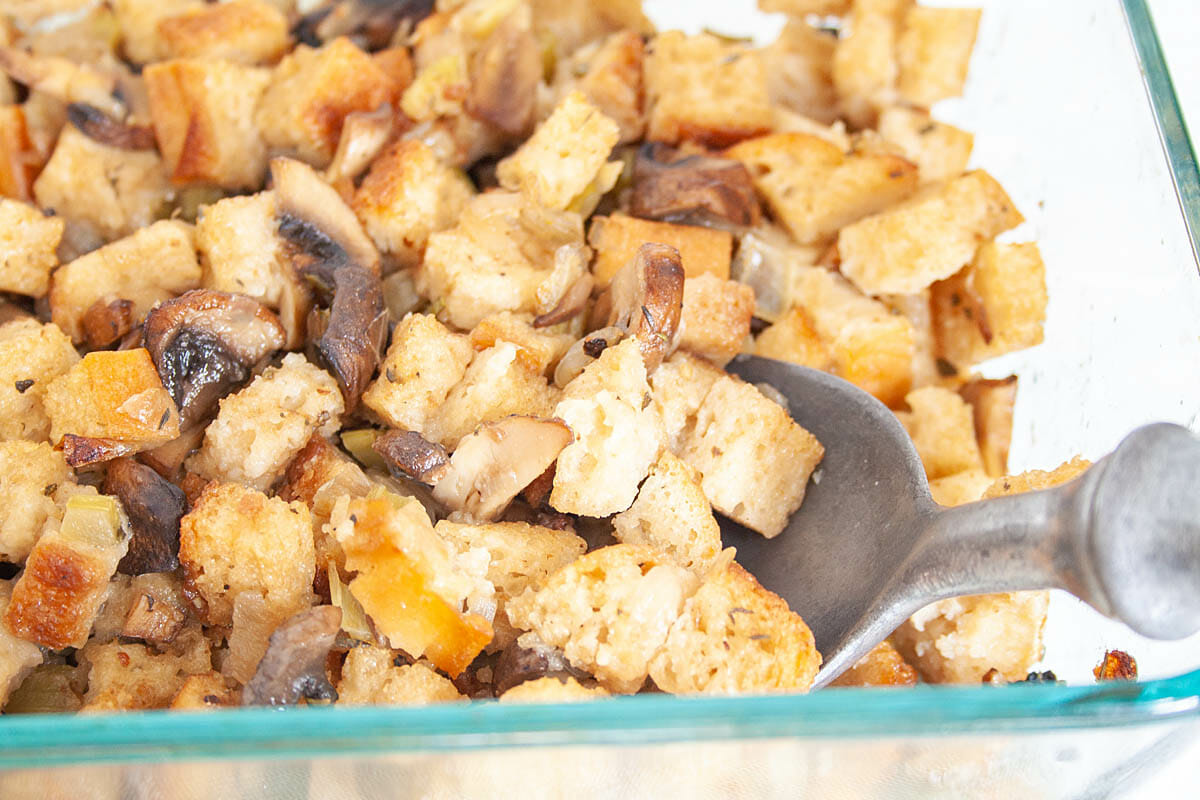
[[869, 546]]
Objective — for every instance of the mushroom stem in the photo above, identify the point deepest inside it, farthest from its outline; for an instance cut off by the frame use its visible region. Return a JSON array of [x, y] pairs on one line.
[[294, 664]]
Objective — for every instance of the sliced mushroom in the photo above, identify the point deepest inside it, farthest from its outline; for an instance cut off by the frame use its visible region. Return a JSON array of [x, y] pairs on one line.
[[294, 664], [584, 352], [63, 79], [505, 73], [315, 220], [647, 300], [697, 189], [100, 127], [154, 507], [84, 451], [106, 321], [372, 22], [204, 343], [167, 459], [364, 135], [410, 455], [350, 335], [493, 464], [570, 305], [527, 659], [158, 613]]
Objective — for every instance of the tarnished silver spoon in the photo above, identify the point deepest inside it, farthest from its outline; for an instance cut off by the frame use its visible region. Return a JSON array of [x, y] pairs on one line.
[[869, 546]]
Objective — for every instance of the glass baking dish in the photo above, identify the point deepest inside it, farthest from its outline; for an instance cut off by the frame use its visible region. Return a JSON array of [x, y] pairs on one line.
[[1056, 100]]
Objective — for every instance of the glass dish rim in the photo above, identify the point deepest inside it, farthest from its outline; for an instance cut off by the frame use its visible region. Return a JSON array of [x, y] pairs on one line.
[[39, 740]]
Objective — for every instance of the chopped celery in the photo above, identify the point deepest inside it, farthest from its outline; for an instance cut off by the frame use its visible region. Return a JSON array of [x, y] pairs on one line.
[[93, 519], [354, 619], [359, 442]]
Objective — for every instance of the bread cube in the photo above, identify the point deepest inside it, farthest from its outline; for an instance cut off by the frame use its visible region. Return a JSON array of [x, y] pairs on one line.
[[425, 361], [960, 487], [995, 305], [32, 355], [883, 666], [551, 173], [755, 460], [240, 31], [28, 241], [735, 637], [203, 113], [552, 690], [538, 349], [407, 195], [568, 26], [206, 691], [240, 249], [943, 429], [609, 611], [933, 52], [928, 238], [800, 71], [672, 515], [794, 338], [679, 386], [239, 540], [260, 428], [617, 435], [716, 317], [992, 404], [1036, 479], [815, 189], [616, 239], [609, 74], [150, 266], [128, 677], [116, 395], [30, 474], [102, 192], [701, 89], [369, 677], [19, 164], [940, 151], [865, 67], [138, 20], [18, 657], [311, 93], [927, 369]]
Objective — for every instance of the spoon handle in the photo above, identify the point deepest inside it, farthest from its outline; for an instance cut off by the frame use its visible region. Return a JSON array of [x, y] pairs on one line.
[[1124, 537]]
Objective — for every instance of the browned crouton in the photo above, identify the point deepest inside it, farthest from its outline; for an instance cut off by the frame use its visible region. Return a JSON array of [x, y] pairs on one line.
[[703, 251], [701, 89], [992, 406], [609, 73], [32, 355], [933, 52], [883, 666], [802, 8], [19, 164], [552, 690], [814, 188], [940, 151], [960, 488], [370, 677], [1036, 479], [203, 114], [864, 64], [716, 317], [139, 20], [929, 237], [146, 268], [30, 475], [794, 338], [241, 31], [538, 349], [28, 241], [943, 430], [238, 540], [18, 657], [259, 429], [680, 385], [206, 691], [800, 71], [132, 676]]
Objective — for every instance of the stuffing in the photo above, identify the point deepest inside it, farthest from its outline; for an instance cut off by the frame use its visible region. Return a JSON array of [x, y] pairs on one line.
[[203, 113], [815, 188], [28, 241], [927, 370], [799, 67], [802, 8], [238, 540], [961, 487], [538, 349], [940, 151], [425, 361], [149, 266], [927, 238], [933, 52], [138, 20], [205, 691], [609, 74], [992, 404], [716, 317], [370, 677], [18, 657], [883, 666], [943, 429], [555, 174], [260, 428], [616, 239], [672, 515], [617, 434], [30, 475], [407, 195], [32, 356], [702, 89], [1036, 479], [132, 676], [240, 31], [609, 611], [552, 690], [993, 306], [865, 68], [754, 459], [735, 637], [793, 337], [679, 386]]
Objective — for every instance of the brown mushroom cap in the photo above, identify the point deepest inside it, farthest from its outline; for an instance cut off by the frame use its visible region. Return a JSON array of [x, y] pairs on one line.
[[204, 343], [294, 664], [372, 22], [647, 300], [314, 218], [410, 455], [696, 189], [492, 465], [518, 664], [154, 507], [99, 126], [505, 73]]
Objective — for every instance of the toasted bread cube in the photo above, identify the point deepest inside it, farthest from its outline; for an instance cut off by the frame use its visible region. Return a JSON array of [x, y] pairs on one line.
[[995, 305], [113, 394], [19, 164], [703, 251], [680, 385], [992, 404], [497, 384], [926, 368], [803, 8], [238, 540], [609, 74], [206, 691], [138, 19], [940, 151], [928, 238], [18, 656], [538, 349], [203, 114], [943, 430], [961, 487], [815, 189], [794, 338], [150, 266], [32, 355], [28, 241], [127, 677], [569, 26], [369, 677], [30, 474], [1036, 479], [311, 93], [800, 71], [103, 192], [701, 89], [424, 362], [735, 637], [933, 52], [672, 515], [260, 428], [755, 459], [552, 173], [407, 195], [240, 249], [883, 666], [552, 690], [865, 68], [716, 317], [240, 31], [617, 435], [609, 611]]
